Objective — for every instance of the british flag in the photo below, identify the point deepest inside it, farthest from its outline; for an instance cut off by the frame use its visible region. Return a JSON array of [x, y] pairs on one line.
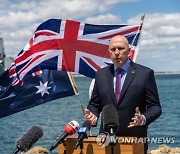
[[70, 46]]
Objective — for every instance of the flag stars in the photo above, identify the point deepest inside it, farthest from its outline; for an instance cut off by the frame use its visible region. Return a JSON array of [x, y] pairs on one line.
[[43, 88]]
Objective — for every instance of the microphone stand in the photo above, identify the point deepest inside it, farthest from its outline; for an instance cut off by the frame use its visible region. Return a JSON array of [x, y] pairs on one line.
[[112, 150], [81, 148], [112, 142], [16, 151], [64, 144]]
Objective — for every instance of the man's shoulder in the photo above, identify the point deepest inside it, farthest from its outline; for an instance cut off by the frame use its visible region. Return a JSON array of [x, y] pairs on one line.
[[142, 67], [105, 69]]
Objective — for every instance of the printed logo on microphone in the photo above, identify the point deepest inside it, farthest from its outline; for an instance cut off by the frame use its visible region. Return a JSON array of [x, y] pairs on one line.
[[103, 140], [74, 124], [84, 130]]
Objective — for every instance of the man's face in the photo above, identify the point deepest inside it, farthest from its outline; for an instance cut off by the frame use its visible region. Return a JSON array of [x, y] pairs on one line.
[[119, 50]]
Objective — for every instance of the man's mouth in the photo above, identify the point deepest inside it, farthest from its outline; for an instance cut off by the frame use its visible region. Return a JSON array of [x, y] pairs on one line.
[[118, 59]]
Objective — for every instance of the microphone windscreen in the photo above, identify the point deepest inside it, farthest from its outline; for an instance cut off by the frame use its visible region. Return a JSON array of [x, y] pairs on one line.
[[87, 124], [110, 118], [25, 142], [71, 127]]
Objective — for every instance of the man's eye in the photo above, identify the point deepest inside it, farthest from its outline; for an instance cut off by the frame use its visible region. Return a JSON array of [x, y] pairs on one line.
[[114, 49]]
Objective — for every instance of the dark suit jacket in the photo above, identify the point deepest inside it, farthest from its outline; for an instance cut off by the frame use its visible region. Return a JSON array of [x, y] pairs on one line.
[[139, 90]]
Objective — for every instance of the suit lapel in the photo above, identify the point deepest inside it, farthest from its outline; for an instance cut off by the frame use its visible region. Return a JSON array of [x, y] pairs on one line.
[[129, 77], [110, 83]]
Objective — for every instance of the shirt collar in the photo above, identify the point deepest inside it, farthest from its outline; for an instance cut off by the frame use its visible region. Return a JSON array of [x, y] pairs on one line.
[[124, 67]]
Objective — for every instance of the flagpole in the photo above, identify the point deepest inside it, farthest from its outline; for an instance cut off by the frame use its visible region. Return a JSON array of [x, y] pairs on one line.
[[138, 31], [73, 83]]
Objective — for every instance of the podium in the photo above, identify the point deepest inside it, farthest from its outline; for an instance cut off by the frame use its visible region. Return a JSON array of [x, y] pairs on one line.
[[90, 146]]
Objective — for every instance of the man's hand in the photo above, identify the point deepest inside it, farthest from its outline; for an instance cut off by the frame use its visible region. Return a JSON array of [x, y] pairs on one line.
[[90, 117], [137, 119]]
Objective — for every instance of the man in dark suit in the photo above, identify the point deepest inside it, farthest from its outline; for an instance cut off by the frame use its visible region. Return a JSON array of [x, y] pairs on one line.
[[138, 104]]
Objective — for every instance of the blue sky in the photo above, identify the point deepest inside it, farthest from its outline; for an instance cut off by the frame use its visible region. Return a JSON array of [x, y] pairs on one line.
[[160, 40], [148, 6]]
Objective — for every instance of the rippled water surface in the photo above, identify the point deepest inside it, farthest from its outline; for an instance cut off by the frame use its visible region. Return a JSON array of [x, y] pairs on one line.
[[54, 115]]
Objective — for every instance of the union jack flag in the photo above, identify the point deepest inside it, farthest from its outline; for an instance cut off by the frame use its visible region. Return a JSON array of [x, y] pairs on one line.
[[70, 46]]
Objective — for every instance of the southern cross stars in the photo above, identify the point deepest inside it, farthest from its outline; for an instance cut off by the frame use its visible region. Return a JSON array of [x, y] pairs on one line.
[[43, 88]]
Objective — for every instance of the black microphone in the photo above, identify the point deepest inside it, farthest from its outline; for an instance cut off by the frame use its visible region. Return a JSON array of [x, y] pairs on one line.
[[110, 122], [69, 129], [26, 141], [83, 133]]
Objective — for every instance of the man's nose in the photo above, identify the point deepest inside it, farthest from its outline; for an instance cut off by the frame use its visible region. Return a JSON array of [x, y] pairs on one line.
[[117, 50]]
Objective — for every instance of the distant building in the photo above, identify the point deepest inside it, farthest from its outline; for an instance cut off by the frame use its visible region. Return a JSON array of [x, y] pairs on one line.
[[5, 62], [2, 54]]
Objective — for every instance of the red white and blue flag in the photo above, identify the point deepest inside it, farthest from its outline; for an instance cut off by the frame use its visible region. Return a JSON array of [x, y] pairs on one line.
[[38, 88], [70, 46]]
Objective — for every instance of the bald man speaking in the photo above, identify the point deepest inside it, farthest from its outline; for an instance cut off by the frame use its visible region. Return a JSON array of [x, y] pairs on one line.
[[128, 86]]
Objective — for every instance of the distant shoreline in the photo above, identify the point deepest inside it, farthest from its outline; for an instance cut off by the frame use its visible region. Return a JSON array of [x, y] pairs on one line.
[[168, 73], [156, 73]]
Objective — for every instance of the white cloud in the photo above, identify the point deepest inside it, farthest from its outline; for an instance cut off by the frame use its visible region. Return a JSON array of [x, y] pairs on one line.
[[103, 19], [159, 44], [159, 29], [19, 20]]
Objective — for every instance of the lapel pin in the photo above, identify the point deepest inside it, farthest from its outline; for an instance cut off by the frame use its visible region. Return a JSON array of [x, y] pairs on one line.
[[133, 72]]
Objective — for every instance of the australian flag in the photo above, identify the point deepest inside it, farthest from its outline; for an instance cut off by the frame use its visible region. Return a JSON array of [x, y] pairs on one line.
[[38, 88], [70, 46]]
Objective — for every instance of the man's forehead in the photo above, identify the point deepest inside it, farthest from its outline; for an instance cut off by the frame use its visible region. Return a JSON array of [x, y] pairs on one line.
[[119, 39]]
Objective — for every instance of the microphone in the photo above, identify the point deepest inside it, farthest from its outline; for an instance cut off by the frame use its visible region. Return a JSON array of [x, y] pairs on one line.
[[110, 122], [83, 132], [25, 142], [69, 129]]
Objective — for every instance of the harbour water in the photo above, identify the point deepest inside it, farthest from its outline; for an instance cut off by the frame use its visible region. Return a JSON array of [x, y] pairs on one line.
[[54, 115]]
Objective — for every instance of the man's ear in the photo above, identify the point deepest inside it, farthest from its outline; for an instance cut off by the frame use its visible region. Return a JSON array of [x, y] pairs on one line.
[[109, 51], [129, 50], [130, 54]]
